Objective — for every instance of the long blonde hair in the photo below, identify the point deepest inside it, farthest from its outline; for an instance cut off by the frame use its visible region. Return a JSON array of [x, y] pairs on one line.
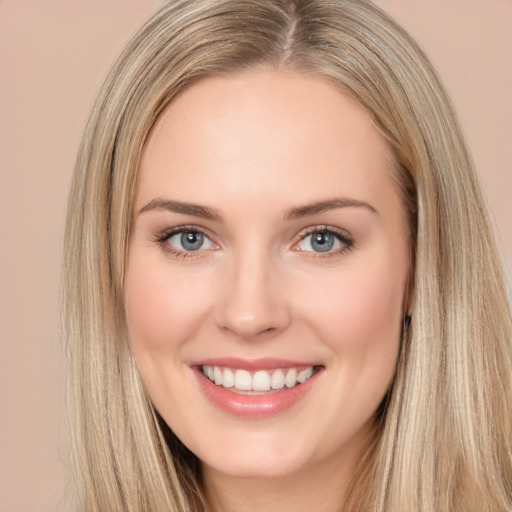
[[444, 434]]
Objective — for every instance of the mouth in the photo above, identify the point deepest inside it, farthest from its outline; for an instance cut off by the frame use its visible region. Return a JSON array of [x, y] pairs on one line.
[[258, 382], [255, 389]]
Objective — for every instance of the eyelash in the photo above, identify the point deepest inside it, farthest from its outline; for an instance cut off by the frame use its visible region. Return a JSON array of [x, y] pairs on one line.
[[163, 238], [341, 236]]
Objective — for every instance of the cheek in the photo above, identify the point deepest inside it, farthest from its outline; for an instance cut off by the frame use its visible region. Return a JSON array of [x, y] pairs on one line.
[[359, 319], [163, 308], [359, 315], [370, 311], [359, 303]]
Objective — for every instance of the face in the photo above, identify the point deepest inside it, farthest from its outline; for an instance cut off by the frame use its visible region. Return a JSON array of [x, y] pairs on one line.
[[267, 267]]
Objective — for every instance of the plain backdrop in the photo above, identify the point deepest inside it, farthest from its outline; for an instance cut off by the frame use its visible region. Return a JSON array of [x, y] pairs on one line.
[[54, 55]]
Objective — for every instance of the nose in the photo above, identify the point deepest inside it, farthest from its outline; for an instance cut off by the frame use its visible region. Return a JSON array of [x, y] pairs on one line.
[[254, 305]]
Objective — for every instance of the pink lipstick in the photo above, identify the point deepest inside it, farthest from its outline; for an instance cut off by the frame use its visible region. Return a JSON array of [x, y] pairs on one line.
[[255, 389]]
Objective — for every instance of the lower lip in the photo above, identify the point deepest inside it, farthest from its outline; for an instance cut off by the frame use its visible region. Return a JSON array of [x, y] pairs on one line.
[[254, 406]]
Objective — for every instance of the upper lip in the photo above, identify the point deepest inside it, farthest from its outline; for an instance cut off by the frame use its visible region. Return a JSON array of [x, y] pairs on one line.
[[265, 363]]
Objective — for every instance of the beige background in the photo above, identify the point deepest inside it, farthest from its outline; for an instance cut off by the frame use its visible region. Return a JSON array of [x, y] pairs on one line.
[[53, 56]]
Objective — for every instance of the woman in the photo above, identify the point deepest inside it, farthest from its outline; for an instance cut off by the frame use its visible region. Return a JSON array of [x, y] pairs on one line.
[[282, 289]]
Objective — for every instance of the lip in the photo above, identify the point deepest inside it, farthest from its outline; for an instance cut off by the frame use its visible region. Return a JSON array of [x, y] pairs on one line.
[[254, 406]]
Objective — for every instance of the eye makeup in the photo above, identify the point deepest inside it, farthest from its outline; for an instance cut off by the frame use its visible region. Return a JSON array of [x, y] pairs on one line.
[[320, 241]]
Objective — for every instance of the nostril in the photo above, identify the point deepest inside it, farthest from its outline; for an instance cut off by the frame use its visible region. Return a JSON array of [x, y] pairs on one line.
[[250, 332]]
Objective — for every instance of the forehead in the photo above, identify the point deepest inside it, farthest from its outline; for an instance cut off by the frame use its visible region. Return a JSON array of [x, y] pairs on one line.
[[264, 131]]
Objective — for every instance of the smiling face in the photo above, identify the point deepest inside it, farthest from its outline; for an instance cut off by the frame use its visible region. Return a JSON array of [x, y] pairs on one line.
[[269, 247]]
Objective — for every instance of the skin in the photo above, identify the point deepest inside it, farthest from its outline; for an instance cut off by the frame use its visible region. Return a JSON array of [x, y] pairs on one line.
[[253, 146]]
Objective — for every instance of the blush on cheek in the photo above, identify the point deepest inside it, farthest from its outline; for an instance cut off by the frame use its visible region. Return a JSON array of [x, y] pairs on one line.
[[149, 309], [163, 307], [361, 313]]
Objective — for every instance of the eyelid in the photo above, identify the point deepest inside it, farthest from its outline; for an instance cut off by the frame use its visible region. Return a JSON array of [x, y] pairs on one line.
[[163, 237], [342, 235]]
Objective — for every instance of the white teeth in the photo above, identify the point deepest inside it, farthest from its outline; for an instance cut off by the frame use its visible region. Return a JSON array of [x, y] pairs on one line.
[[304, 375], [243, 380], [217, 376], [229, 378], [291, 378], [261, 380], [277, 381]]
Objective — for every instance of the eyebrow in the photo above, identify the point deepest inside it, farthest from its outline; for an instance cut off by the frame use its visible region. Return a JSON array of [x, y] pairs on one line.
[[205, 212], [328, 204], [195, 210]]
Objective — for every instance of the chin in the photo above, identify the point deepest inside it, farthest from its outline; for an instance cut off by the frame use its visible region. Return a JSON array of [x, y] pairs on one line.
[[257, 467], [257, 456]]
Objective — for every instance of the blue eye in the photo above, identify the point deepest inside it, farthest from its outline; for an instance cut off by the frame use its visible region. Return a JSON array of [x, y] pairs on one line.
[[186, 241], [324, 241], [190, 241]]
